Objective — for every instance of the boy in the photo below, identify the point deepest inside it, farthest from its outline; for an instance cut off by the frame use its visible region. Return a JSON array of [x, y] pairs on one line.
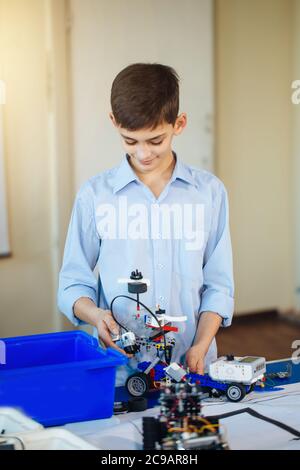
[[121, 221]]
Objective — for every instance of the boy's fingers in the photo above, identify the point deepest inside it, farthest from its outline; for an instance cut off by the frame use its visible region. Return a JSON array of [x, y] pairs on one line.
[[112, 325], [107, 340], [192, 364], [200, 367], [120, 350]]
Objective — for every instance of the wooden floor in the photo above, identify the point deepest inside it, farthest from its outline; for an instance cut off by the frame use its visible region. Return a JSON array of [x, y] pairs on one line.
[[259, 335]]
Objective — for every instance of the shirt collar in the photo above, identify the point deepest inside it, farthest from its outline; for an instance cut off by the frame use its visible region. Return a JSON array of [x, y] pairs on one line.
[[182, 172], [125, 174]]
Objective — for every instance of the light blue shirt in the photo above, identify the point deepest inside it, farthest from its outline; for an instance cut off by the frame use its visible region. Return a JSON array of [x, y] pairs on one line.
[[180, 241]]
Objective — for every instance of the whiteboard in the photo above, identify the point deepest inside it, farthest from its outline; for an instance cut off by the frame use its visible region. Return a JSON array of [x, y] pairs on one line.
[[106, 37], [4, 242]]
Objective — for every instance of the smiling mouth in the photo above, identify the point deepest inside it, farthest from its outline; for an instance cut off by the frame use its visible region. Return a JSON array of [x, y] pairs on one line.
[[147, 162]]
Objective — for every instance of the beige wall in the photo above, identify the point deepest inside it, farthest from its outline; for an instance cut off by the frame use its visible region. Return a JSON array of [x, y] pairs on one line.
[[296, 152], [36, 205], [25, 279], [253, 141]]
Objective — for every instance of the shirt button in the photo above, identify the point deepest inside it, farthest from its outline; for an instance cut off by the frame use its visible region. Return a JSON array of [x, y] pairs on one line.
[[161, 297], [160, 266]]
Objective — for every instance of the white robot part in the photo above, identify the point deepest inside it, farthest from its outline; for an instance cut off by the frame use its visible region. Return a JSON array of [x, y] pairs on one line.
[[151, 321], [128, 339], [115, 338], [179, 319], [246, 370], [163, 319], [176, 372], [124, 280]]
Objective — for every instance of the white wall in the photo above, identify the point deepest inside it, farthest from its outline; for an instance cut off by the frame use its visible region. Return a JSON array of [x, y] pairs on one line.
[[108, 36]]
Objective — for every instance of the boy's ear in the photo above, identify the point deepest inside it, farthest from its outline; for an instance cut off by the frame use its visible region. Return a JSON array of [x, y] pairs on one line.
[[112, 117], [180, 123]]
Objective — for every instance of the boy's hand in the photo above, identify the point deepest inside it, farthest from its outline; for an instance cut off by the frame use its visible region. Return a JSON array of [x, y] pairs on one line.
[[106, 326], [208, 325], [195, 359]]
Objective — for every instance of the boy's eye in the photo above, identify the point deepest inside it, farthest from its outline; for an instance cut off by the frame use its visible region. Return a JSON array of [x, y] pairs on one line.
[[129, 143], [153, 143], [157, 143]]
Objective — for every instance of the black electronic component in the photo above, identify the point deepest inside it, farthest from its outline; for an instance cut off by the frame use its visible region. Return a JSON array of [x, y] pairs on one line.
[[137, 287], [180, 424], [6, 446], [230, 357], [137, 404], [136, 275], [120, 407]]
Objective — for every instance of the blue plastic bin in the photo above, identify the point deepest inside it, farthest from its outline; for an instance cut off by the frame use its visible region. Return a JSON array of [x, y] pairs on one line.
[[59, 378]]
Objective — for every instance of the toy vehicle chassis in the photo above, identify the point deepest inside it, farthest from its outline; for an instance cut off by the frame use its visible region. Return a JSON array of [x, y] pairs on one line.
[[139, 384]]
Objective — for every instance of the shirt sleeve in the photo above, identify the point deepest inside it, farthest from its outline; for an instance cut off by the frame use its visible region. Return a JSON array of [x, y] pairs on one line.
[[218, 285], [82, 247]]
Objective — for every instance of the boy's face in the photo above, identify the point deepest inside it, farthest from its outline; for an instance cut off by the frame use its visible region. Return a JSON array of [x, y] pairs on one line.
[[150, 149]]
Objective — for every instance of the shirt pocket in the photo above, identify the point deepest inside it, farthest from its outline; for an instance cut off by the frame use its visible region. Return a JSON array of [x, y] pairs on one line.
[[188, 260]]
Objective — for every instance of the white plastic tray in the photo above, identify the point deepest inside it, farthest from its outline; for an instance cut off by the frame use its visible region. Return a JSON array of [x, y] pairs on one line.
[[53, 439], [13, 421], [26, 434]]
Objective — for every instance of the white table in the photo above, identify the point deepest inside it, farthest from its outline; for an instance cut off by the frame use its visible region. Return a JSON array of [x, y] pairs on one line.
[[124, 432]]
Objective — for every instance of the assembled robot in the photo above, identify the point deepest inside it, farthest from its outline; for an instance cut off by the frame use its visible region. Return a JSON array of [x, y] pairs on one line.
[[180, 424], [230, 376], [155, 329]]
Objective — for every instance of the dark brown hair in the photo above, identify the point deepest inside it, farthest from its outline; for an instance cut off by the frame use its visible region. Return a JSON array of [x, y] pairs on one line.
[[144, 96]]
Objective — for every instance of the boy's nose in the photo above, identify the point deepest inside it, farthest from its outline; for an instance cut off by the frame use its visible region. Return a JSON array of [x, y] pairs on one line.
[[143, 152]]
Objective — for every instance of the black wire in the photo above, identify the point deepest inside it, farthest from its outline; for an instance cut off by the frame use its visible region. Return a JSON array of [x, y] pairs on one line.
[[257, 415], [139, 303], [137, 428], [254, 401], [113, 315]]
